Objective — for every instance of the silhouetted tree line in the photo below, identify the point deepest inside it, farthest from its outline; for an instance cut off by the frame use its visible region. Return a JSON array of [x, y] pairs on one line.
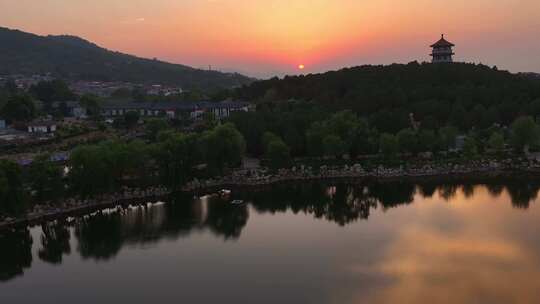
[[463, 95]]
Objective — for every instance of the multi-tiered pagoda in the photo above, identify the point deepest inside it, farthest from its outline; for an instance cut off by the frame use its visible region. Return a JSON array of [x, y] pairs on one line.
[[442, 51]]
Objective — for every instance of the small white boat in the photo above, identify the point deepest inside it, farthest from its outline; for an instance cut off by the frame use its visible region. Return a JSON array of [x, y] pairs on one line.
[[237, 202], [224, 192]]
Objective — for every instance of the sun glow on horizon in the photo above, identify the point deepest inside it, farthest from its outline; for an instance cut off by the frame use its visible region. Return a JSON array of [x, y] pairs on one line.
[[269, 37]]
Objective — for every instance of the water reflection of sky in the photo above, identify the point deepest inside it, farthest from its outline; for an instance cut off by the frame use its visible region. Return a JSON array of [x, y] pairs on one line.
[[311, 245]]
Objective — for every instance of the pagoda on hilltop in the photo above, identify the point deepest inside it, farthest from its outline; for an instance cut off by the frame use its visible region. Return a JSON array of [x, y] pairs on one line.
[[442, 51]]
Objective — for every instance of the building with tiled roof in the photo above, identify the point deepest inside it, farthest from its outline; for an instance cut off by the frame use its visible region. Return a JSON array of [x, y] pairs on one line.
[[442, 51]]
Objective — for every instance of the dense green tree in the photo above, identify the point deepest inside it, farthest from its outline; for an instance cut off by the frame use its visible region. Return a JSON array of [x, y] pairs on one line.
[[427, 140], [334, 146], [390, 120], [447, 136], [177, 156], [314, 137], [154, 126], [496, 142], [209, 121], [45, 178], [252, 125], [278, 154], [131, 118], [342, 124], [362, 139], [470, 147], [19, 108], [408, 142], [103, 167], [268, 138], [223, 147], [52, 91], [92, 104], [89, 171], [12, 196], [525, 133], [388, 145]]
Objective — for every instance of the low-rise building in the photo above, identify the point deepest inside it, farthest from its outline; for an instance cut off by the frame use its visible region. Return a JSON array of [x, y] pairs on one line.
[[193, 110], [43, 127]]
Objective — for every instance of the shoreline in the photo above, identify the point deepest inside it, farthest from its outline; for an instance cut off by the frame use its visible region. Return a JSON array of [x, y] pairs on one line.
[[160, 194]]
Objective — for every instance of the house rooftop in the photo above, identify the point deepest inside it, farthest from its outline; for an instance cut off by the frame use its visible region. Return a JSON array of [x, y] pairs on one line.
[[183, 106], [42, 123]]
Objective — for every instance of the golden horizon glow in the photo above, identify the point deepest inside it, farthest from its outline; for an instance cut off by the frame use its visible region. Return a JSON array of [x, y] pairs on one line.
[[267, 37]]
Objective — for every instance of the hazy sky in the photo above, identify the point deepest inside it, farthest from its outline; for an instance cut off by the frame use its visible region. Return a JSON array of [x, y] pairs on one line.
[[266, 37]]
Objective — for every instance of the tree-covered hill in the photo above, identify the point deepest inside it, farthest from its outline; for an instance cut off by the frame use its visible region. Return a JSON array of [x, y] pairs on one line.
[[463, 95], [75, 58]]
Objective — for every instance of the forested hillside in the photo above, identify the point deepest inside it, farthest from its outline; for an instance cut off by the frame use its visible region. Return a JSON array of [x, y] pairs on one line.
[[463, 95], [75, 58]]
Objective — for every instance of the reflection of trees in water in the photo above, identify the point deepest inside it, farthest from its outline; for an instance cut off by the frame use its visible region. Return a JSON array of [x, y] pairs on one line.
[[495, 189], [15, 253], [427, 189], [102, 235], [350, 204], [448, 191], [523, 193], [54, 242], [468, 190], [393, 194], [225, 219], [342, 204]]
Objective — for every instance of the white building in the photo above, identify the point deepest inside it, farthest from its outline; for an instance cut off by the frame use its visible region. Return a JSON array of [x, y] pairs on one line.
[[43, 127]]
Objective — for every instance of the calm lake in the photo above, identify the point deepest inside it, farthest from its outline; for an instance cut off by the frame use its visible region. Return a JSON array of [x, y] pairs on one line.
[[312, 243]]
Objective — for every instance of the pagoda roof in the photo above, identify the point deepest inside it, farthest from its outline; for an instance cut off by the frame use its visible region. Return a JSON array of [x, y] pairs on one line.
[[442, 43]]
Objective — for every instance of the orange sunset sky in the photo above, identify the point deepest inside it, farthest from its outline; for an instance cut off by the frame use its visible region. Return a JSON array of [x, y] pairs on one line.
[[273, 37]]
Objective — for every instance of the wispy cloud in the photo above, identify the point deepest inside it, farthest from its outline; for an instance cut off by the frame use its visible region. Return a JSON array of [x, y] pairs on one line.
[[133, 21]]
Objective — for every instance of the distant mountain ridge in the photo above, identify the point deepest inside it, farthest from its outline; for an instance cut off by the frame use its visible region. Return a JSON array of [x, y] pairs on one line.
[[75, 58]]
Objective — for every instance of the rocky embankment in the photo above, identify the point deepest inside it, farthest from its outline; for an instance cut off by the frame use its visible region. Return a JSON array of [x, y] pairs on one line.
[[263, 177], [78, 206]]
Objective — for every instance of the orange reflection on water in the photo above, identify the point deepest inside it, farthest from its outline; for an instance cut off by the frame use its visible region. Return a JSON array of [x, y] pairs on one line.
[[477, 258]]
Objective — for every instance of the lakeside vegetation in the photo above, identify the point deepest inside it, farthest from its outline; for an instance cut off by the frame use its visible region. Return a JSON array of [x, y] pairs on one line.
[[172, 158], [400, 113]]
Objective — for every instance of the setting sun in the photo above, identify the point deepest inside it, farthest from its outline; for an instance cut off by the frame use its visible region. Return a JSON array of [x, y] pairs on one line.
[[301, 66]]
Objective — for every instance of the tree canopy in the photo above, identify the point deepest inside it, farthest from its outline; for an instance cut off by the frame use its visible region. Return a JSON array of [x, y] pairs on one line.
[[459, 94], [525, 133]]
